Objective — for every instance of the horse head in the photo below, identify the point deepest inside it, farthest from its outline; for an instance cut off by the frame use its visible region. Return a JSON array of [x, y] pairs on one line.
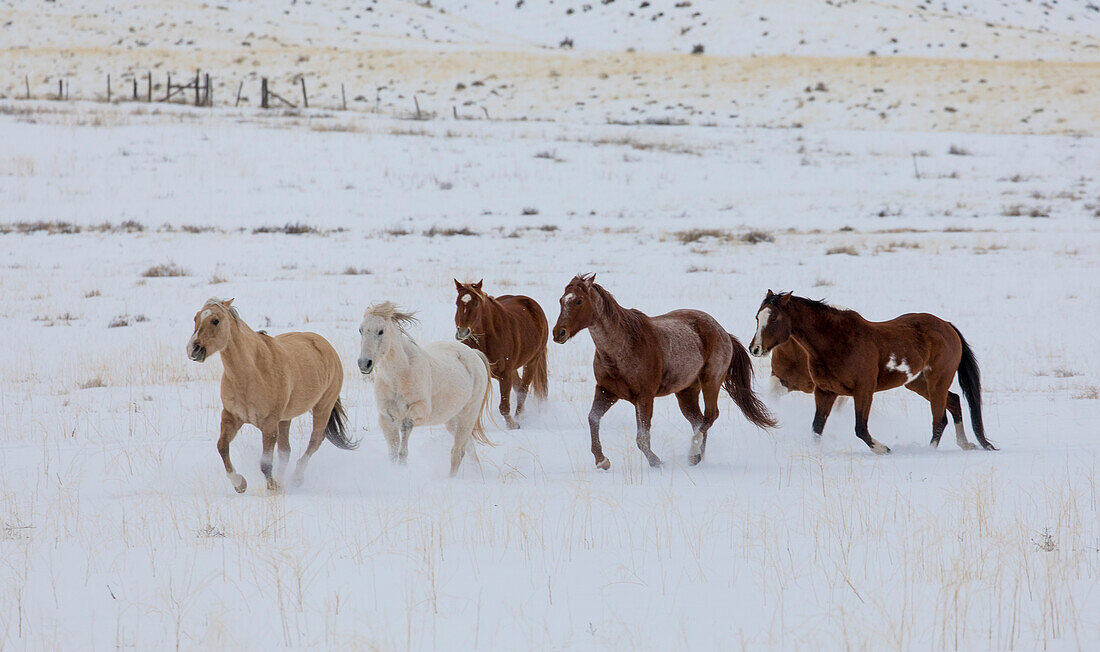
[[577, 311], [378, 331], [467, 308], [213, 323], [773, 324]]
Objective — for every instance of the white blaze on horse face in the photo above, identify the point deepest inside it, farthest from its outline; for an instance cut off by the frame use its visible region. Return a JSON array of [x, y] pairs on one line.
[[466, 298], [893, 365], [762, 317], [204, 315]]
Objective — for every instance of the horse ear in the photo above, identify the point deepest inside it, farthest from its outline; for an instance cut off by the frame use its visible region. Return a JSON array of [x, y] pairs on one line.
[[589, 280], [477, 286], [784, 299], [228, 302], [458, 286], [770, 294]]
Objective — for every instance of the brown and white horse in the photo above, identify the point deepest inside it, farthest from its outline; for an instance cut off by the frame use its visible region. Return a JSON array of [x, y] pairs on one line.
[[511, 331], [850, 356], [267, 381], [638, 358]]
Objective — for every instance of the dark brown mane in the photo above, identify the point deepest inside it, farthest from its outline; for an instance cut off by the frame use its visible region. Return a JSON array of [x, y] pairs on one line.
[[633, 321]]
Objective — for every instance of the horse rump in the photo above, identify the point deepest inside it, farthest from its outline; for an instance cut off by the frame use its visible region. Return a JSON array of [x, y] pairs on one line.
[[336, 430], [738, 384]]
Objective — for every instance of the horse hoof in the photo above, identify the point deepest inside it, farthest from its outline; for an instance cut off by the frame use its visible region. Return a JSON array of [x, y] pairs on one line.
[[238, 482], [512, 425], [272, 484], [880, 449], [655, 463], [694, 459], [603, 464], [967, 446]]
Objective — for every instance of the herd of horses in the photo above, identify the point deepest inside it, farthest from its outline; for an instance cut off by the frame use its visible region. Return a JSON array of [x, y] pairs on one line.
[[815, 348]]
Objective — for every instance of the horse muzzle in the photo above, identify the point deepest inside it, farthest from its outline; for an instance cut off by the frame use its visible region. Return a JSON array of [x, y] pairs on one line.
[[366, 366], [757, 351], [461, 334], [561, 336], [197, 353]]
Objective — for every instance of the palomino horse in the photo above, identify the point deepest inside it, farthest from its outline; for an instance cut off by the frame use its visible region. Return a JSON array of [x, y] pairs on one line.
[[442, 382], [511, 332], [850, 356], [639, 358], [267, 381]]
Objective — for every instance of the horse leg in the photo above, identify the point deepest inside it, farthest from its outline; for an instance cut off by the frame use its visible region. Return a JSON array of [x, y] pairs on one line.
[[460, 429], [689, 405], [393, 438], [823, 401], [521, 384], [601, 403], [316, 436], [230, 426], [954, 406], [282, 441], [710, 412], [405, 429], [643, 410], [270, 431], [505, 381], [863, 410]]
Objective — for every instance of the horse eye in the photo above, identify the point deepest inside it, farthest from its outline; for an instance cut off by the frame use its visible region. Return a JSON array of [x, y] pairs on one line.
[[379, 331], [214, 321], [577, 302]]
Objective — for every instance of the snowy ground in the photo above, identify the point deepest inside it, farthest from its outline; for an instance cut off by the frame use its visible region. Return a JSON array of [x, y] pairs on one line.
[[120, 529]]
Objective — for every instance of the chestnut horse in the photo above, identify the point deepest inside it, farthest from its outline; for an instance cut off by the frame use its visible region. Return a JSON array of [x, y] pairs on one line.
[[639, 358], [267, 381], [850, 356], [791, 367], [511, 331]]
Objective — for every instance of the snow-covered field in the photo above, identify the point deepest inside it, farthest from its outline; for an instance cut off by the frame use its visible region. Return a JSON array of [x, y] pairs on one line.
[[889, 155], [120, 529]]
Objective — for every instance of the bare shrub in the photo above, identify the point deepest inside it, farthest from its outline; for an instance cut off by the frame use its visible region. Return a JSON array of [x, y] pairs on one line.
[[449, 231], [92, 383], [356, 271], [164, 270], [290, 228], [756, 237], [958, 150], [847, 250]]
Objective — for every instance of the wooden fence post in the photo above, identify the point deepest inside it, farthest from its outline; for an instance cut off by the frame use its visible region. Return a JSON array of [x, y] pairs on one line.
[[239, 89], [168, 87], [343, 96], [60, 90], [108, 89], [417, 103], [197, 79], [263, 92], [149, 78], [305, 100], [135, 89]]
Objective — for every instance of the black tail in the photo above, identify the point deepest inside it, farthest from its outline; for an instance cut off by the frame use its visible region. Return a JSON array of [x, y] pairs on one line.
[[336, 431], [970, 379], [739, 385]]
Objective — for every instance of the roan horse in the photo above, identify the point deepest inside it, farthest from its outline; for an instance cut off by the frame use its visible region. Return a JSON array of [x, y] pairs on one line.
[[511, 331], [850, 356], [267, 381], [639, 358], [442, 382]]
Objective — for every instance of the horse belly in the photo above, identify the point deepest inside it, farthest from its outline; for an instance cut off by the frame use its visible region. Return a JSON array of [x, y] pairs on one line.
[[452, 385], [682, 353]]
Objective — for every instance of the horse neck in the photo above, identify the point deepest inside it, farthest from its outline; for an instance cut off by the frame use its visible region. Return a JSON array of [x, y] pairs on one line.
[[400, 355], [607, 330], [490, 313], [242, 350], [812, 327]]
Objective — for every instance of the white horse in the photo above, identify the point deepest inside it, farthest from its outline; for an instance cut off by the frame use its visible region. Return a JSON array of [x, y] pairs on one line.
[[442, 382]]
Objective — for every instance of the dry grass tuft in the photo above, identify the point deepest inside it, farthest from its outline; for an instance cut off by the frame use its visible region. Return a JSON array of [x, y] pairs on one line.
[[847, 250], [164, 271]]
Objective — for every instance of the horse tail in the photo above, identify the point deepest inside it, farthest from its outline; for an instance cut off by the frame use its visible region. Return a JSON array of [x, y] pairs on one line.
[[478, 433], [970, 379], [537, 369], [739, 385], [336, 431]]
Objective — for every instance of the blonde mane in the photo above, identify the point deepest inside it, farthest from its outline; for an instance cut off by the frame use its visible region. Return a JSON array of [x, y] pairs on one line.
[[390, 311], [223, 303]]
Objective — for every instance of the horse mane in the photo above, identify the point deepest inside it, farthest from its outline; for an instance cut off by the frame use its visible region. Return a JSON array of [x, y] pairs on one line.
[[633, 321], [221, 303], [819, 304], [390, 311]]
